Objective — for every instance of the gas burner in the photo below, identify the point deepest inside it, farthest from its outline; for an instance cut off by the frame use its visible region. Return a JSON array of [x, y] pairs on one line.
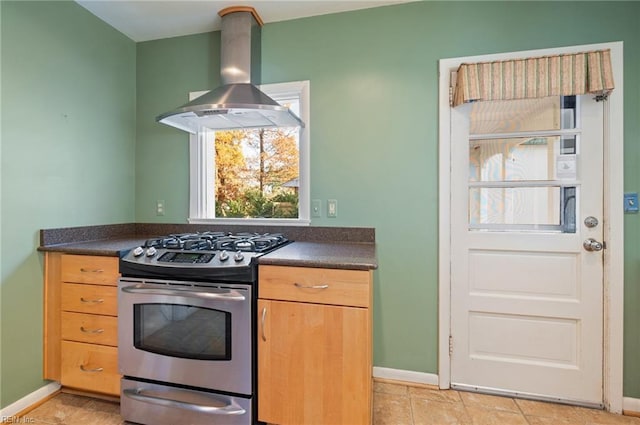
[[209, 256], [244, 241]]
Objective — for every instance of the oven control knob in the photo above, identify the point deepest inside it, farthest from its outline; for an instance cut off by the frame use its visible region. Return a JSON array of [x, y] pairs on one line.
[[224, 256], [238, 257], [138, 251], [151, 252]]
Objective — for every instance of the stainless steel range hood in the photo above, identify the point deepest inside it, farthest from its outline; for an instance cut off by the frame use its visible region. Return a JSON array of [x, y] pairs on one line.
[[237, 103]]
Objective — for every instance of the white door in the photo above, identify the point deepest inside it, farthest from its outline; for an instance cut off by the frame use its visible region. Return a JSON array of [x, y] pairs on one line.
[[526, 292]]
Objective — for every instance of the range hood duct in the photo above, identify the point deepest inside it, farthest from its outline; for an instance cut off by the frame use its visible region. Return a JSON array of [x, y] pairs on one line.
[[237, 103]]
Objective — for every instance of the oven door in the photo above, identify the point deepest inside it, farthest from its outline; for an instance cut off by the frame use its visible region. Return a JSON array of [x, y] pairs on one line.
[[186, 333]]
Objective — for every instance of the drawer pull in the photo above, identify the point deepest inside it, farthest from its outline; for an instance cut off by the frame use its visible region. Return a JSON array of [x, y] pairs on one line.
[[298, 285], [83, 270], [98, 301], [91, 331], [97, 369]]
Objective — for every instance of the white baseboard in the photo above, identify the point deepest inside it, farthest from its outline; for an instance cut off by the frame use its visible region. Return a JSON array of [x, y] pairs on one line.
[[405, 375], [631, 404], [29, 400]]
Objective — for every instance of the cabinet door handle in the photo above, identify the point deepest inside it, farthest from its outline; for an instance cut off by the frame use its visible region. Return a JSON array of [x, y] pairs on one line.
[[91, 331], [264, 316], [301, 286], [83, 270], [97, 369], [86, 301]]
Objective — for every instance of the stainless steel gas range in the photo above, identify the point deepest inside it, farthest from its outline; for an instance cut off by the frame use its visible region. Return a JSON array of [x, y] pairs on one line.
[[186, 328]]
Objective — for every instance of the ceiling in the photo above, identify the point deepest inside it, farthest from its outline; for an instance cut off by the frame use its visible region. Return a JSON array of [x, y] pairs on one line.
[[143, 20]]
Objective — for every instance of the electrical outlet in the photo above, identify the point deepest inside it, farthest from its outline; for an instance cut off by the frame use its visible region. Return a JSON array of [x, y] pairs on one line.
[[332, 208], [159, 207], [316, 208], [631, 202]]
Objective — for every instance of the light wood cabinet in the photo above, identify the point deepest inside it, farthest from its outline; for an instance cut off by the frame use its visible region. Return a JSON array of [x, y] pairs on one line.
[[314, 346], [81, 324], [90, 367]]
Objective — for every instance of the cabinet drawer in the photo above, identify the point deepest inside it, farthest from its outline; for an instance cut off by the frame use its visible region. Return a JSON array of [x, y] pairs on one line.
[[90, 269], [90, 328], [92, 299], [90, 367], [315, 285]]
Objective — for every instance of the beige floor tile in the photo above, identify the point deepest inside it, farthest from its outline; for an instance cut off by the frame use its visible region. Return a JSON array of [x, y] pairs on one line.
[[58, 409], [549, 410], [88, 416], [103, 406], [482, 416], [391, 409], [485, 401], [600, 417], [385, 387], [435, 394], [538, 420], [430, 412]]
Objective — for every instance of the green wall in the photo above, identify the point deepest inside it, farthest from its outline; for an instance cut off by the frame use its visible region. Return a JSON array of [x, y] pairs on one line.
[[374, 137], [68, 135], [69, 161]]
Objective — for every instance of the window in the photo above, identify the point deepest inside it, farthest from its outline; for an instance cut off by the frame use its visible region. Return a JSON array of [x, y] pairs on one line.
[[522, 164], [254, 175]]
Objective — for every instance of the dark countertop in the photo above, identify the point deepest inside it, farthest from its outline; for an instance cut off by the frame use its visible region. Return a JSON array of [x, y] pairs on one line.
[[327, 247], [335, 255], [113, 247]]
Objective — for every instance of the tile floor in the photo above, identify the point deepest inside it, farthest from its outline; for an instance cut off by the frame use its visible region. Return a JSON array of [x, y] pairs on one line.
[[394, 404], [70, 409]]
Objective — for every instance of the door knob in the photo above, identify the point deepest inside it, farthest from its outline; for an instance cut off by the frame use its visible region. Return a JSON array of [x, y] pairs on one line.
[[592, 245], [591, 222]]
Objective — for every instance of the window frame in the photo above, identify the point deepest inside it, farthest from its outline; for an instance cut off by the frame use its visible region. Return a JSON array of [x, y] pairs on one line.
[[202, 165]]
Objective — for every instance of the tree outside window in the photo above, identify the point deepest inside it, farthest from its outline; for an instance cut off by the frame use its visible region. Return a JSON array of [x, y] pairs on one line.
[[257, 173]]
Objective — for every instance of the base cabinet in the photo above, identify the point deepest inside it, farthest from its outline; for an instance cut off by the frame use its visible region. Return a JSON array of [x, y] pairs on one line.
[[81, 324], [314, 357]]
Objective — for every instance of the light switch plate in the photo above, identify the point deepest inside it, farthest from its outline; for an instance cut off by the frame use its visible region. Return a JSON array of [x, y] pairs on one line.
[[332, 208], [316, 208], [631, 202]]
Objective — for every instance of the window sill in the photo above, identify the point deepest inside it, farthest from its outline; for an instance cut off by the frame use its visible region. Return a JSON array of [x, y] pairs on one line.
[[252, 221]]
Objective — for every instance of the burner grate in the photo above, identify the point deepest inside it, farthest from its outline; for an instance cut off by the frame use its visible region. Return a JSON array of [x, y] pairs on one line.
[[244, 241]]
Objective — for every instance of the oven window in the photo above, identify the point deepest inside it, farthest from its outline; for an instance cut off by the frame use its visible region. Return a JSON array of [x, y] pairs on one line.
[[185, 331]]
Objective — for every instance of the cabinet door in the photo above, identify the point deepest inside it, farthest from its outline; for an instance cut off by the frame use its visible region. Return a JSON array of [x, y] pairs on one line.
[[314, 364]]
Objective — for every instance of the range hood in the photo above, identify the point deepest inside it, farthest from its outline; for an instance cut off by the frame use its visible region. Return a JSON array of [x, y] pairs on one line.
[[238, 103]]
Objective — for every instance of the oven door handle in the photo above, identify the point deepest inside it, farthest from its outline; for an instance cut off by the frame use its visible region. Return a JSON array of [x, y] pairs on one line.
[[184, 292], [229, 409]]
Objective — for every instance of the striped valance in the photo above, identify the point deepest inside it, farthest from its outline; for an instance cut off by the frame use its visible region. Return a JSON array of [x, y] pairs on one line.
[[561, 75]]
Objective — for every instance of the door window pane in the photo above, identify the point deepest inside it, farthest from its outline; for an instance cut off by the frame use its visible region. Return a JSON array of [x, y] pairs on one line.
[[522, 158], [510, 116], [522, 208], [184, 331], [514, 205]]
